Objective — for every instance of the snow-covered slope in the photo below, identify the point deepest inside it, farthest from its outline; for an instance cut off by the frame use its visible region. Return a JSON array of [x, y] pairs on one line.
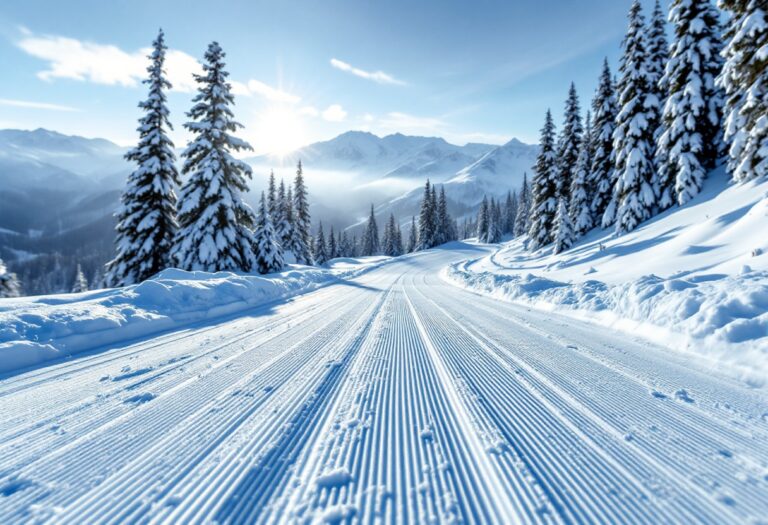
[[93, 158], [493, 174], [695, 277]]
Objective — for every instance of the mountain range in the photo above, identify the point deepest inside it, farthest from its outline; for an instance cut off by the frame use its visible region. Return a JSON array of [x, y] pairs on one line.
[[58, 192]]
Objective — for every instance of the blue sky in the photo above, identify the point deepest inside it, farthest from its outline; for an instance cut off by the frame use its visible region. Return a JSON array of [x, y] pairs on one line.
[[480, 71]]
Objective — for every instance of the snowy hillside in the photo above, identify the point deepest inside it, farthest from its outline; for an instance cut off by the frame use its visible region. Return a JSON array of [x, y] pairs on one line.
[[695, 277], [41, 149], [493, 174]]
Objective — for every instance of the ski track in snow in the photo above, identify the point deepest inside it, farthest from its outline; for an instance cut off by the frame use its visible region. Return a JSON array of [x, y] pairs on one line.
[[392, 398]]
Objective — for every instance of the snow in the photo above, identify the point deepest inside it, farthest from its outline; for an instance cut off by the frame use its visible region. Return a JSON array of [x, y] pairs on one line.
[[388, 396], [35, 330], [695, 278]]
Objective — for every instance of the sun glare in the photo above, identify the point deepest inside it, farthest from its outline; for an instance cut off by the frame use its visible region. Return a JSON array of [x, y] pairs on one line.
[[279, 130]]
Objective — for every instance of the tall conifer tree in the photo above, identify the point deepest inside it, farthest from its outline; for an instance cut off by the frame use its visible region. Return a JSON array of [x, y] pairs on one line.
[[602, 175], [146, 219], [215, 224], [691, 140], [569, 144], [544, 189], [634, 137], [269, 252], [301, 246]]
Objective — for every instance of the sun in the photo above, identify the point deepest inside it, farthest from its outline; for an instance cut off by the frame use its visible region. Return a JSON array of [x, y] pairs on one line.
[[279, 130]]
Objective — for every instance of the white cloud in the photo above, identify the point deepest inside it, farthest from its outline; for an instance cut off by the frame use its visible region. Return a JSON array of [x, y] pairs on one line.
[[256, 87], [35, 105], [103, 64], [334, 113], [376, 76]]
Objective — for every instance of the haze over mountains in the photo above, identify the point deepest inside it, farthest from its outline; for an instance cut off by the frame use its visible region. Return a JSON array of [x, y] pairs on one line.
[[59, 192]]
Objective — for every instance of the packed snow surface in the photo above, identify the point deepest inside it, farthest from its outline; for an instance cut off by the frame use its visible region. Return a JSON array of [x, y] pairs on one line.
[[694, 278], [389, 396]]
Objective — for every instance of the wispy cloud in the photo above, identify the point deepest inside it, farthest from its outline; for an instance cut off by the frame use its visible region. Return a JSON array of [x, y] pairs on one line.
[[35, 105], [103, 64], [334, 113], [258, 88], [376, 76]]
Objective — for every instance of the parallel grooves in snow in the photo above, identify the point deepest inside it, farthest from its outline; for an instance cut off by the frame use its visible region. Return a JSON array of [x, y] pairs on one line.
[[391, 398], [395, 444]]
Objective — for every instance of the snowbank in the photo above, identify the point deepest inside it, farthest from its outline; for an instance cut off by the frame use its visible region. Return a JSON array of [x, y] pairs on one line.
[[695, 278], [38, 329], [724, 319]]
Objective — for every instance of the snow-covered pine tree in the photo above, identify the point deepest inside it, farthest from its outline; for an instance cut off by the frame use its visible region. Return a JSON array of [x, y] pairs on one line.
[[483, 220], [399, 250], [495, 225], [657, 59], [9, 284], [346, 245], [444, 221], [691, 139], [633, 139], [302, 244], [569, 143], [435, 218], [370, 242], [745, 80], [269, 252], [275, 212], [544, 189], [413, 236], [387, 238], [390, 245], [580, 209], [564, 235], [284, 229], [146, 219], [522, 218], [320, 249], [97, 280], [602, 177], [426, 220], [273, 198], [80, 283], [510, 211], [333, 248], [214, 221]]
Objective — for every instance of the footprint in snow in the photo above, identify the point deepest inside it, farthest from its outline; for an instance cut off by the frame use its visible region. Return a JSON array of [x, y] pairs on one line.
[[682, 395], [659, 395], [140, 398], [13, 486]]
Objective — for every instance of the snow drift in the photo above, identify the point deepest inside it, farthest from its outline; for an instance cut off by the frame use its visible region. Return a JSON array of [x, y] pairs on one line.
[[34, 330]]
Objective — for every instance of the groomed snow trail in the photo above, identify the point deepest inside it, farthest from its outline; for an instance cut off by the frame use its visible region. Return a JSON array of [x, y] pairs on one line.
[[391, 398]]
